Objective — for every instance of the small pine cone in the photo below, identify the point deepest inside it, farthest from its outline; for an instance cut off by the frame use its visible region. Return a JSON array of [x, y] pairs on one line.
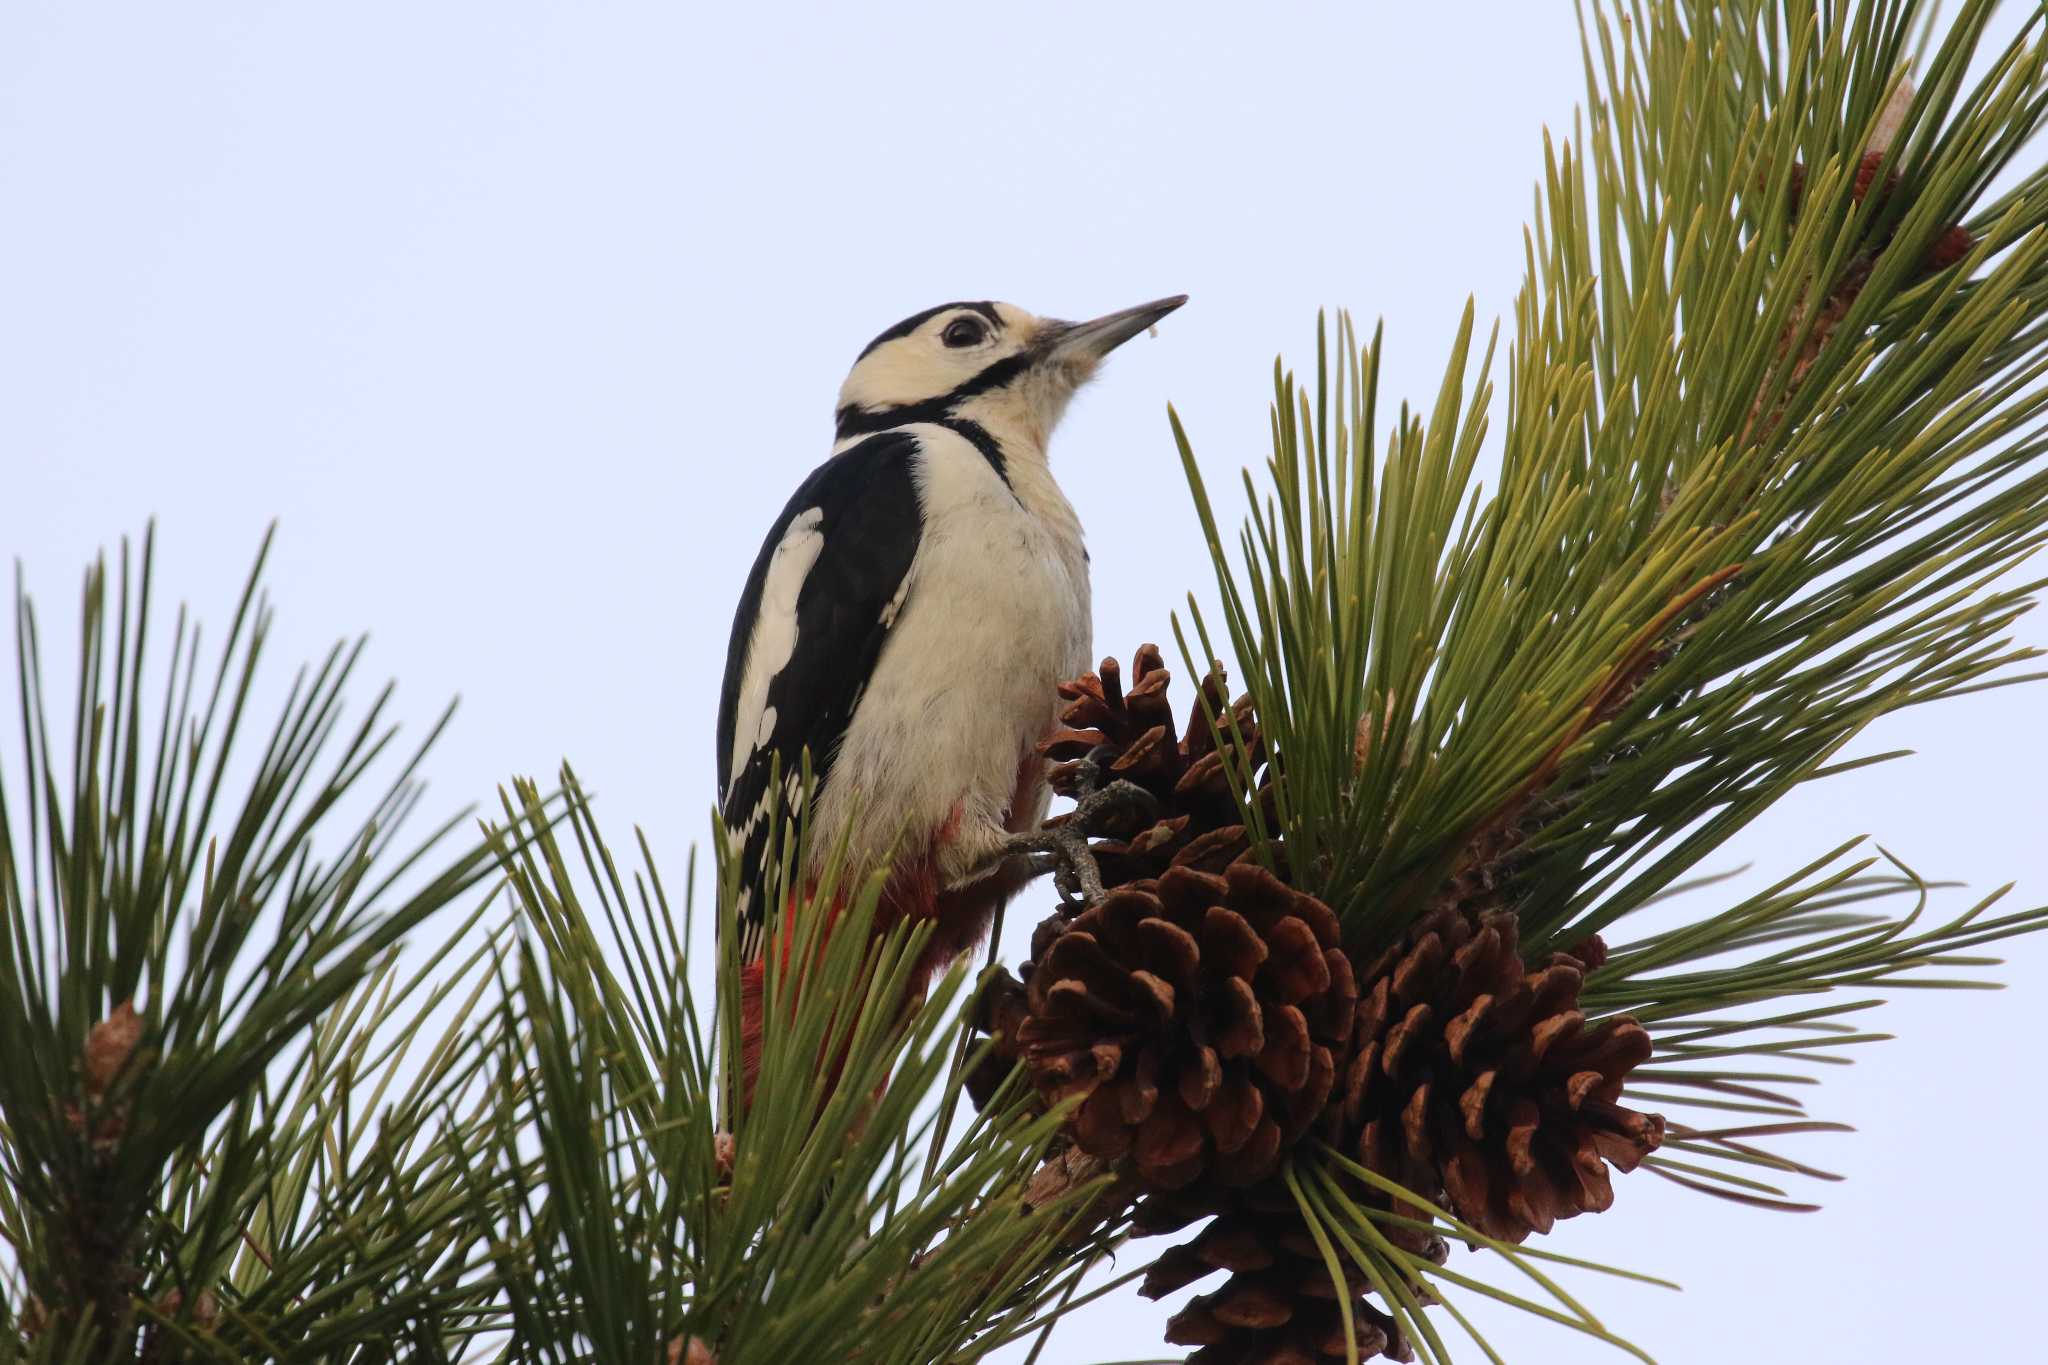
[[1478, 1081], [1108, 734], [999, 1012], [1202, 1017], [1948, 247], [1279, 1304]]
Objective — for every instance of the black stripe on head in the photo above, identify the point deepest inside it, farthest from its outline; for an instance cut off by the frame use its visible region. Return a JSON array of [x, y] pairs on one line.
[[856, 421], [917, 320], [859, 421], [977, 435]]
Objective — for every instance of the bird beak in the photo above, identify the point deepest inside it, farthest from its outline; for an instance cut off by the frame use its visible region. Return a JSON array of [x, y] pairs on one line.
[[1088, 342]]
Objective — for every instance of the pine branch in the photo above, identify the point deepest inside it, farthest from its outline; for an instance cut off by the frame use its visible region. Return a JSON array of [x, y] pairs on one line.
[[196, 991], [799, 1226], [1770, 461]]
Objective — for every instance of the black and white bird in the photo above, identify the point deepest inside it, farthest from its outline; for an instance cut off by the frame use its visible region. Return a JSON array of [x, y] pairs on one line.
[[908, 618]]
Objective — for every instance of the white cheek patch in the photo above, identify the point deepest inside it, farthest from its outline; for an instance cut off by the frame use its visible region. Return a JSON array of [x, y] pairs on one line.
[[772, 643], [896, 372], [918, 368]]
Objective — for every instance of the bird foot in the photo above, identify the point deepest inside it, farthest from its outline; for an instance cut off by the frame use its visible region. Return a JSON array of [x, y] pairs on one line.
[[1063, 849]]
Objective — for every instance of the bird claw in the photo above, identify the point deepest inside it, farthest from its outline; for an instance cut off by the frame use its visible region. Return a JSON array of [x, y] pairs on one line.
[[1063, 849], [1089, 769]]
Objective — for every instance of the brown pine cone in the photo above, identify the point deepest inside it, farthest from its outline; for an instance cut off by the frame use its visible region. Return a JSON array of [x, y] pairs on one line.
[[1109, 734], [1202, 1016], [1279, 1306], [1477, 1080], [999, 1012], [1949, 246]]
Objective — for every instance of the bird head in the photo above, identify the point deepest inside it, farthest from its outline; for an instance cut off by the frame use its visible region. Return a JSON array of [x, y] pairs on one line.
[[992, 364]]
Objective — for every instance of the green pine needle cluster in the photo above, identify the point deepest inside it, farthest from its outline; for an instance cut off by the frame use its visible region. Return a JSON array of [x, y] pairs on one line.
[[1769, 458], [221, 1179], [814, 1228], [237, 1123], [1766, 475]]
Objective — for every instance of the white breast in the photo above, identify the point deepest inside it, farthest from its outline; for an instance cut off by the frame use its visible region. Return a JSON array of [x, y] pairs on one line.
[[997, 613]]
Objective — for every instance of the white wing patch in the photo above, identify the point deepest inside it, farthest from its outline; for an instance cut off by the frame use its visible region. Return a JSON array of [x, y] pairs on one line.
[[895, 606], [753, 931], [772, 642]]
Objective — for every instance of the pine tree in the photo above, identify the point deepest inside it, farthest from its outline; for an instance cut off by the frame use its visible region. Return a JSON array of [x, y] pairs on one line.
[[1363, 1013]]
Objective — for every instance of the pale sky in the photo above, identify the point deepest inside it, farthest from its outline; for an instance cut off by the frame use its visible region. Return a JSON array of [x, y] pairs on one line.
[[524, 320]]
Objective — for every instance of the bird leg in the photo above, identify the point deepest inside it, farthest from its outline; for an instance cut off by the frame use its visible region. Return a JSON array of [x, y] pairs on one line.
[[1063, 850]]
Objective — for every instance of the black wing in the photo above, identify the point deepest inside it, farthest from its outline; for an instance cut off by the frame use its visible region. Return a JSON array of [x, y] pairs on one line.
[[858, 514]]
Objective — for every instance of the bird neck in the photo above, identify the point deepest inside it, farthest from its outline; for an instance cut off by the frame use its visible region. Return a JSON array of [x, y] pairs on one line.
[[1006, 436], [1011, 418], [1012, 431], [1008, 427]]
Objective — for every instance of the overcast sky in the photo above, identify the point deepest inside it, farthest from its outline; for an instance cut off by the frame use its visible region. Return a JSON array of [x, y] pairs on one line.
[[524, 320]]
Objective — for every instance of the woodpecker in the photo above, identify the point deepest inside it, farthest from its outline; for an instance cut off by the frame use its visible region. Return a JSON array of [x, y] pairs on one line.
[[907, 620]]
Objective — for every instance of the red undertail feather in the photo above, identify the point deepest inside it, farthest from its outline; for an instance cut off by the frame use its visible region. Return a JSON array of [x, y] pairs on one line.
[[913, 892]]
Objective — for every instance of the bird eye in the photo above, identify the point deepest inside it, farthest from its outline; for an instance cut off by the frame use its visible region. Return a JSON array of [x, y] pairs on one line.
[[963, 332]]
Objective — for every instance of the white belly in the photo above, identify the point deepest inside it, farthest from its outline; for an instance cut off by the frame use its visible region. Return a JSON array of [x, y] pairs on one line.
[[996, 614]]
